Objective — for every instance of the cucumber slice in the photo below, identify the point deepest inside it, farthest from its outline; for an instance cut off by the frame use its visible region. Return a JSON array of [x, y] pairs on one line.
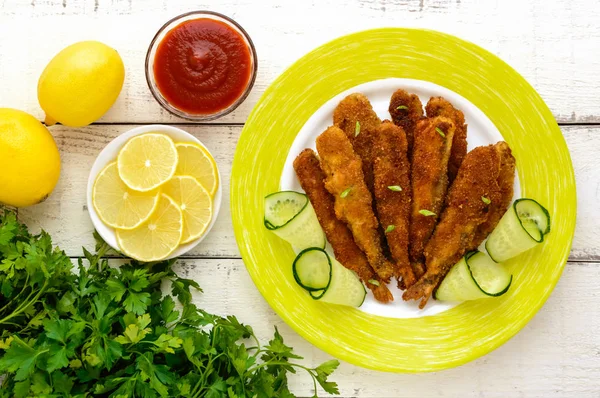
[[290, 216], [532, 213], [491, 278], [312, 269], [522, 227], [474, 277], [458, 285], [345, 288], [317, 294]]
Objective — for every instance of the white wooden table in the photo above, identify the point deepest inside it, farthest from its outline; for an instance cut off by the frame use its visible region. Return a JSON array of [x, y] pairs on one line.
[[555, 44]]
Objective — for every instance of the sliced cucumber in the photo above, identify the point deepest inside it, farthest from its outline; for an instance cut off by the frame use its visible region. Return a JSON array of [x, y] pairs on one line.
[[522, 227], [312, 269], [290, 216], [491, 278], [317, 294], [345, 288], [458, 285], [531, 213], [475, 276]]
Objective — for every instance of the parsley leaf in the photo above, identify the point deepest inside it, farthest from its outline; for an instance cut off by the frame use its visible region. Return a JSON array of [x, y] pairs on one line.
[[323, 371]]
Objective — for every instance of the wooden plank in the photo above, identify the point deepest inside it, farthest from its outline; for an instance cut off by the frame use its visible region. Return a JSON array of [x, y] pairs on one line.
[[64, 214], [554, 355], [552, 43]]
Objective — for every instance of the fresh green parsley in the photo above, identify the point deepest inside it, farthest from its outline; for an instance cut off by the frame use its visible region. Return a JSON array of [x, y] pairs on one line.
[[106, 331], [402, 107], [345, 193], [357, 129], [374, 282], [396, 188], [390, 228], [426, 213], [440, 132], [485, 200]]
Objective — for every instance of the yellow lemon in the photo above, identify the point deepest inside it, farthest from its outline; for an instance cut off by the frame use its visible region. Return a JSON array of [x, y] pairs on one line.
[[157, 237], [194, 201], [29, 159], [195, 161], [117, 205], [81, 83], [147, 161]]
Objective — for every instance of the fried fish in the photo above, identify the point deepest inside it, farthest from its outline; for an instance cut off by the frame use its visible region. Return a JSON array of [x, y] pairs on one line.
[[406, 111], [356, 117], [438, 106], [391, 170], [339, 236], [344, 179], [464, 214], [500, 203], [429, 174]]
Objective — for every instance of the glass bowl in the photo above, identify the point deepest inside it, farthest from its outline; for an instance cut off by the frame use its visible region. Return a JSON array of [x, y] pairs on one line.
[[160, 35]]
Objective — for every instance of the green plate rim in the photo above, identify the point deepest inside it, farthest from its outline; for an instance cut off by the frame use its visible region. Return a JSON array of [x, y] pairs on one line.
[[239, 197]]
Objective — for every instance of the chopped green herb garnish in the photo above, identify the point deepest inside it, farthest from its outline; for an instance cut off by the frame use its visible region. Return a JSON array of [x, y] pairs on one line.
[[402, 107], [390, 228], [345, 193], [374, 282], [485, 200], [357, 129], [396, 188], [426, 213], [440, 132]]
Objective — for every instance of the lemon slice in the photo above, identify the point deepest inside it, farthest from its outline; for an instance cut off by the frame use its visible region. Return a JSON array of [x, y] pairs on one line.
[[116, 204], [147, 161], [156, 238], [195, 203], [195, 161]]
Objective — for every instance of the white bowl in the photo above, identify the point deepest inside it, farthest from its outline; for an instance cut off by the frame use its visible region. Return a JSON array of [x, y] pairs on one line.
[[110, 152]]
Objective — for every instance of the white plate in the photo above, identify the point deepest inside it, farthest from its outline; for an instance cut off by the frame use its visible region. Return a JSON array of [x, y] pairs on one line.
[[110, 152], [481, 131]]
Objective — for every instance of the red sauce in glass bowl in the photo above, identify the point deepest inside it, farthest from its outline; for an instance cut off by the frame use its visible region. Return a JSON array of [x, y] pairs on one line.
[[202, 66]]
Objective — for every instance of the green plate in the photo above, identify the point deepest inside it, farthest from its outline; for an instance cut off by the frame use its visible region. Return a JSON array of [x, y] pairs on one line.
[[428, 343]]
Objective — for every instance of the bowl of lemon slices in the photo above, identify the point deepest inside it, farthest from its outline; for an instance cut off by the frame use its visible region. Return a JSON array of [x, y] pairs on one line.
[[154, 193]]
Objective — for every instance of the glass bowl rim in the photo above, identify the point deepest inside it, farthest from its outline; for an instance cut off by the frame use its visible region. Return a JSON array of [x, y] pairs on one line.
[[155, 91]]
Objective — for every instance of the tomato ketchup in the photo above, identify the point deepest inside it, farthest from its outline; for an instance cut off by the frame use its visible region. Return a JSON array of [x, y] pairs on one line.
[[202, 66]]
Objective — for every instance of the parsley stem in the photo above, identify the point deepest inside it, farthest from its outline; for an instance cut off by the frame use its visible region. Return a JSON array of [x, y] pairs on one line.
[[18, 294], [26, 304], [256, 340], [205, 375], [285, 363]]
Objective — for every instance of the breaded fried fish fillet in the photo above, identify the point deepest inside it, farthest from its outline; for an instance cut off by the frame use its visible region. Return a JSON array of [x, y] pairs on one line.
[[438, 106], [344, 179], [499, 205], [391, 170], [355, 116], [429, 174], [463, 215], [406, 111], [339, 236]]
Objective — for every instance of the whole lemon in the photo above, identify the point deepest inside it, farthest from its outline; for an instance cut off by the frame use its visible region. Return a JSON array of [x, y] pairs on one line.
[[29, 159], [81, 83]]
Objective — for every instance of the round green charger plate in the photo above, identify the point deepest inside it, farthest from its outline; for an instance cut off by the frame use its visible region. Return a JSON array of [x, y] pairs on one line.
[[471, 329]]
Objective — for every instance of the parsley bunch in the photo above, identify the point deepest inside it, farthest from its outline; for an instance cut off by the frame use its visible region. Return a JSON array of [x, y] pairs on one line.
[[111, 332]]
